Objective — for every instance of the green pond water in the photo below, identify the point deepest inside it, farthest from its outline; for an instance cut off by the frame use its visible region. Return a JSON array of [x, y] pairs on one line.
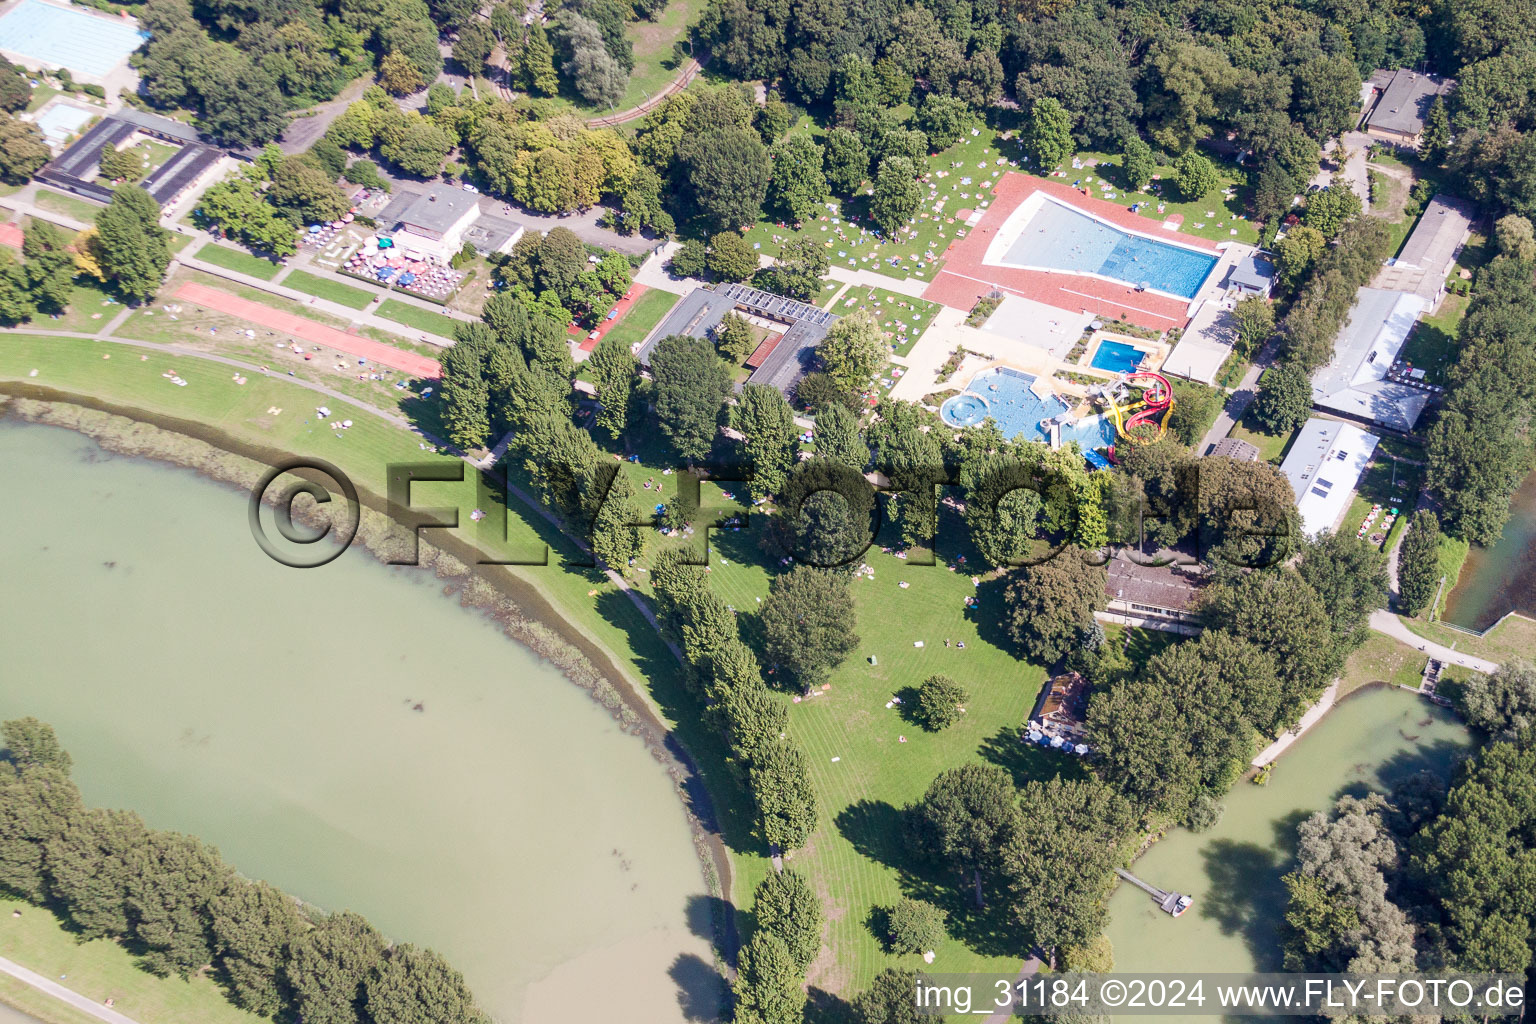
[[1368, 742], [509, 824], [1500, 578]]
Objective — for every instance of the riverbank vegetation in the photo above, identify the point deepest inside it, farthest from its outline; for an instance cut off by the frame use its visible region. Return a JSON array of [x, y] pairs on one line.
[[183, 912]]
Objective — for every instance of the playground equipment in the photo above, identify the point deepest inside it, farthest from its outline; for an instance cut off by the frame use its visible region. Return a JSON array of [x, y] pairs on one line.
[[1137, 399]]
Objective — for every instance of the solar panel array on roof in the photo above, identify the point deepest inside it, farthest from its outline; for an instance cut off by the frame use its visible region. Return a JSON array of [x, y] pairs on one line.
[[778, 306]]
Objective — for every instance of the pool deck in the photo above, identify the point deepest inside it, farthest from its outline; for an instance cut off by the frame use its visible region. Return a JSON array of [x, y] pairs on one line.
[[967, 276]]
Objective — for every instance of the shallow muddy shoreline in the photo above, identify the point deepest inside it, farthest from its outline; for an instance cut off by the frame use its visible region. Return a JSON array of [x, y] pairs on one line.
[[524, 614]]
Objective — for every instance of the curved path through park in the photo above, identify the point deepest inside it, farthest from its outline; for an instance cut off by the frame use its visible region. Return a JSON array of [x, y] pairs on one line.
[[690, 70], [66, 995]]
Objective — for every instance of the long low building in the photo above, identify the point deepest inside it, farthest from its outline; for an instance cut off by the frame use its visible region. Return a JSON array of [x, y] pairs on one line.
[[75, 170], [1324, 467], [780, 364], [1366, 380], [1358, 381]]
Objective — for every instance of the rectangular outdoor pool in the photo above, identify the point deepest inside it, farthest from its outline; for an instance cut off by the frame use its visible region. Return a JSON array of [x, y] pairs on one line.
[[88, 44], [1116, 357], [1057, 237]]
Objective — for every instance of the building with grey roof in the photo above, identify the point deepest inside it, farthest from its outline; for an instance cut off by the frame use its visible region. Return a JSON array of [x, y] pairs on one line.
[[781, 365], [433, 221], [1153, 596], [75, 170], [1430, 251], [1324, 466], [1399, 113], [1235, 448], [1252, 275], [1358, 381]]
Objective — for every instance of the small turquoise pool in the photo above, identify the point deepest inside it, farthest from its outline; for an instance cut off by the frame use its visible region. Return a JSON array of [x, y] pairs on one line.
[[1057, 237], [1116, 357], [1008, 398]]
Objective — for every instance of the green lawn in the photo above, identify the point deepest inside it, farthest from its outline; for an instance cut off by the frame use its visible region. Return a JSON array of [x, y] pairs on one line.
[[237, 260], [892, 310], [1271, 447], [326, 288], [864, 773], [648, 311], [1515, 637], [70, 206], [1217, 216], [1390, 484], [40, 95], [415, 316], [90, 309], [1382, 659], [101, 970], [1431, 344]]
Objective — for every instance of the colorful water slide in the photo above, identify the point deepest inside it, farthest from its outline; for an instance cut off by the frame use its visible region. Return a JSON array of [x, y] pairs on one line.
[[1154, 406]]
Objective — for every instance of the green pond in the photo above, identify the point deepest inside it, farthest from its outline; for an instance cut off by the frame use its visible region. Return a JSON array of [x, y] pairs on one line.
[[1368, 742], [1501, 578], [508, 823]]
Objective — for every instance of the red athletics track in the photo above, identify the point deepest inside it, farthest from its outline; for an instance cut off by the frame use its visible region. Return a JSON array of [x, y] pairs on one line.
[[10, 234], [602, 329], [308, 330], [965, 278]]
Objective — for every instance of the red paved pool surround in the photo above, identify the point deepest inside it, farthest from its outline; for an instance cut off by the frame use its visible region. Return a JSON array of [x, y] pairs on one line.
[[965, 279]]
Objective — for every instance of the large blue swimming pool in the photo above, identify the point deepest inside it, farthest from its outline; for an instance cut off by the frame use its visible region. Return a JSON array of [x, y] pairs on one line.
[[1005, 395], [88, 44], [1057, 237]]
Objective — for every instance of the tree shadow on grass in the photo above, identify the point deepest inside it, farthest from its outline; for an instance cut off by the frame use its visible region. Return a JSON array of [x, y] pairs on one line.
[[822, 1007], [908, 707], [878, 921], [712, 791], [878, 831], [1025, 761], [990, 613]]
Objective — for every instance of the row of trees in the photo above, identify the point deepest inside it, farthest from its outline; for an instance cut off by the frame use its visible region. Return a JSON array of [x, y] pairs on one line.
[[1480, 446], [267, 201], [171, 899], [724, 673]]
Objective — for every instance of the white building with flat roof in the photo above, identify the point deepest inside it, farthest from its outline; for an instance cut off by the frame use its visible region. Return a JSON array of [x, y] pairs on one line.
[[1324, 467], [435, 221], [1356, 382]]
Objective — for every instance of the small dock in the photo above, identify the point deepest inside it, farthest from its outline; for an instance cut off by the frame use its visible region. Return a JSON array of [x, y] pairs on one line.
[[1172, 903]]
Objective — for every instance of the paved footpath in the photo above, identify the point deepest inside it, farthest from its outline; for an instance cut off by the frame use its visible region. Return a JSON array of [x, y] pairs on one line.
[[1385, 622], [63, 994]]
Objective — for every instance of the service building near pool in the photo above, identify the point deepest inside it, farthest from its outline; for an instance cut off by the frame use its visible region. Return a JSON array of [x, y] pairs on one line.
[[432, 223], [1153, 596], [1366, 379], [787, 352], [76, 170], [1403, 101], [1324, 467]]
